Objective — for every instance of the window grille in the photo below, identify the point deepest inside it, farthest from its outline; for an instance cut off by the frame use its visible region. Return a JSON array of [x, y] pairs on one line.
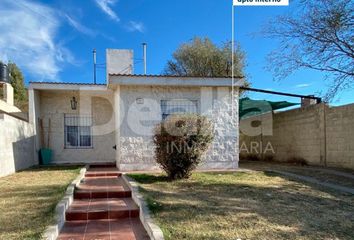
[[178, 106], [78, 132]]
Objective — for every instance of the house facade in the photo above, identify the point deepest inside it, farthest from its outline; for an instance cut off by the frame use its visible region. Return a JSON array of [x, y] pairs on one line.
[[114, 122]]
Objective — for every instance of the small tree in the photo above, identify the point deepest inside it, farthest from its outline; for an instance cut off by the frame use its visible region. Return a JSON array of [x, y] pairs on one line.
[[201, 57], [180, 142]]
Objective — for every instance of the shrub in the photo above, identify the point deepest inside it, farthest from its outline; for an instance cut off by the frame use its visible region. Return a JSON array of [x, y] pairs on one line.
[[181, 141]]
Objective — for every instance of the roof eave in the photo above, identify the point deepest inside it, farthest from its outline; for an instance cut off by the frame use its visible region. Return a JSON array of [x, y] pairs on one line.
[[66, 86], [151, 80]]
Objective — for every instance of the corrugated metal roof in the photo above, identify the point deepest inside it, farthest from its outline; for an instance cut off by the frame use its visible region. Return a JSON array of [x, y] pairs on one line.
[[165, 76], [69, 83]]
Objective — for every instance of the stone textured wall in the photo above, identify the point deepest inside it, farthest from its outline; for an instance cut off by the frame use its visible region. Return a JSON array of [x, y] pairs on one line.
[[136, 149], [99, 104], [16, 145], [318, 134]]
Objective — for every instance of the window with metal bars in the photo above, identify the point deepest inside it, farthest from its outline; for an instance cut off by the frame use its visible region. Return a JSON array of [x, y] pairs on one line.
[[78, 132], [178, 106]]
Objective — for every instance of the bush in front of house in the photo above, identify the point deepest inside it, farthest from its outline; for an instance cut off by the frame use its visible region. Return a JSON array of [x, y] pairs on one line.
[[181, 141]]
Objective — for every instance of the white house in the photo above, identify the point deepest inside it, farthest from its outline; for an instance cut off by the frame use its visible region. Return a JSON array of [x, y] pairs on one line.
[[113, 122]]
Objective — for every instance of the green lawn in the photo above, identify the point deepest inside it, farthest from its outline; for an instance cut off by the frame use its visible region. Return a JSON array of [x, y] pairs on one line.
[[28, 200], [253, 205]]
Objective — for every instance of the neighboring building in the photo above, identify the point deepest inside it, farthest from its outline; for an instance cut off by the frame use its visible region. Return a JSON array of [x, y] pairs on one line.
[[88, 120]]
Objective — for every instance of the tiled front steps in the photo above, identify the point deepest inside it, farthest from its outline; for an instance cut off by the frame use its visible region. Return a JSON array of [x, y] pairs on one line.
[[102, 187], [120, 229], [102, 209]]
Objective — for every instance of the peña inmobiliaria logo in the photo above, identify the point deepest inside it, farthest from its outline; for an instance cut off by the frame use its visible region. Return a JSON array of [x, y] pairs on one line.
[[260, 2]]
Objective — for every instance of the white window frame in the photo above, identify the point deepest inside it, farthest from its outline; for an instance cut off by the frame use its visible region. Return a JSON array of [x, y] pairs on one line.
[[187, 104], [78, 121]]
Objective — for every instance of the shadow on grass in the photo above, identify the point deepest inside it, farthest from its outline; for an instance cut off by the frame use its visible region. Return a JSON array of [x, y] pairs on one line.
[[309, 213], [148, 179]]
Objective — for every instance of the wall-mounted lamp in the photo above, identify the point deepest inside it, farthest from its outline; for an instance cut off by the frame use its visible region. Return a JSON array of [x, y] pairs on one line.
[[140, 100], [73, 103]]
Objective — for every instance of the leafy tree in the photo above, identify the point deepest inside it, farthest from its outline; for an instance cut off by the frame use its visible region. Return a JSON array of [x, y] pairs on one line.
[[201, 57], [319, 36], [17, 82]]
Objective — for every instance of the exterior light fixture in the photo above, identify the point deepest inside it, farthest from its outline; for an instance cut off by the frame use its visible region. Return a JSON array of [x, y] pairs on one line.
[[140, 100], [73, 103]]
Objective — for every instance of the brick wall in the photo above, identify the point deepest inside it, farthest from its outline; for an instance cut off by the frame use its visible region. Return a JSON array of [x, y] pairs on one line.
[[318, 134], [340, 136]]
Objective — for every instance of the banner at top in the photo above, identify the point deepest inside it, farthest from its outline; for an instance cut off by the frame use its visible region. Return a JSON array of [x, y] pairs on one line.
[[261, 2]]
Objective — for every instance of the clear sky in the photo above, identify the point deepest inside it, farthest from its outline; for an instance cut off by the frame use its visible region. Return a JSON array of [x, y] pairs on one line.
[[53, 40]]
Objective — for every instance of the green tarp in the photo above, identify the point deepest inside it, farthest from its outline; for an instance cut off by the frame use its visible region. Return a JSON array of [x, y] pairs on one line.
[[249, 107]]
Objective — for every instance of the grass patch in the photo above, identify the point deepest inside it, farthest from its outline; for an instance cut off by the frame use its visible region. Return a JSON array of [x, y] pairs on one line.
[[252, 205], [28, 200]]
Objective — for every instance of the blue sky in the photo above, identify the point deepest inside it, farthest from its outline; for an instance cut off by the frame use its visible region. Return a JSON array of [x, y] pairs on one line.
[[53, 40]]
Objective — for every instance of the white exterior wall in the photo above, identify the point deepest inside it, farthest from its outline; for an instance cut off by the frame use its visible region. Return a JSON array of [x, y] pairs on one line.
[[16, 145], [33, 115], [119, 120], [136, 149], [54, 104]]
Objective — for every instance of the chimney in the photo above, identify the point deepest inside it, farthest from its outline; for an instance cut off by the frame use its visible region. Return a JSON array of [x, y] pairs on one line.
[[305, 102], [119, 61]]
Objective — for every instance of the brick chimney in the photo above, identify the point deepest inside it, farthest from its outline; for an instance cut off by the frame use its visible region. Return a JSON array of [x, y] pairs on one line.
[[305, 102]]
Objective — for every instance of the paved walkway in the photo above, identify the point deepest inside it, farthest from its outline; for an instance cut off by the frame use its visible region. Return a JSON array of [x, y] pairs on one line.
[[315, 181], [103, 209]]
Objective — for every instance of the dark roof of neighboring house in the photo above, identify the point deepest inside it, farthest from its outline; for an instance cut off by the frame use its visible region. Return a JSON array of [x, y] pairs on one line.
[[70, 83], [166, 76]]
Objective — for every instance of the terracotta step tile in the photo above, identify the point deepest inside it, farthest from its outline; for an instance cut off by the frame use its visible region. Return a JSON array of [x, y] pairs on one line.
[[73, 230], [102, 187], [127, 229], [99, 174], [102, 209], [103, 165], [99, 194], [102, 171], [99, 183]]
